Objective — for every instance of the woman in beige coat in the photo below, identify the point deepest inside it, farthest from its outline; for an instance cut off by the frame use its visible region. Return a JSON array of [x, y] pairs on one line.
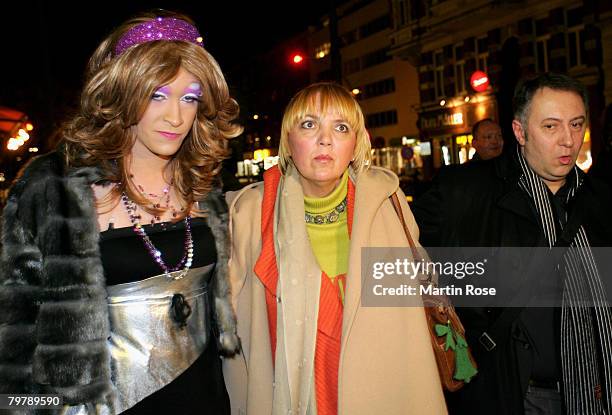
[[308, 345]]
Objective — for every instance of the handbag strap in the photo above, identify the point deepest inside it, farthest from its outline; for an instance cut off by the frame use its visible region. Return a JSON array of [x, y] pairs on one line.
[[398, 209], [415, 252]]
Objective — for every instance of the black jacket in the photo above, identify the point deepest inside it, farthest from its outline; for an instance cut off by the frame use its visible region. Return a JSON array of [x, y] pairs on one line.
[[53, 313], [481, 205]]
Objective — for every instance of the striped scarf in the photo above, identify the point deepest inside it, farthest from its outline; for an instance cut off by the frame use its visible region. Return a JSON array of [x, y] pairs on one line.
[[586, 343]]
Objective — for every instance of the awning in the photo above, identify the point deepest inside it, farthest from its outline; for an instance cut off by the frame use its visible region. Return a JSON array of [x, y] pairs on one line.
[[10, 121]]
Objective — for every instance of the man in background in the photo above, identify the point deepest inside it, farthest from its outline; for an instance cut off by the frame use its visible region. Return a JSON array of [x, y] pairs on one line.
[[487, 139], [533, 360]]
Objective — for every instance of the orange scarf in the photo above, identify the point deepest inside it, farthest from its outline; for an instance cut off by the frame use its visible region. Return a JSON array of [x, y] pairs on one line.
[[329, 320]]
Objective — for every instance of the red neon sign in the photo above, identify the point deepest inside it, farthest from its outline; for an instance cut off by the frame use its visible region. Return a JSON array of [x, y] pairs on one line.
[[479, 81]]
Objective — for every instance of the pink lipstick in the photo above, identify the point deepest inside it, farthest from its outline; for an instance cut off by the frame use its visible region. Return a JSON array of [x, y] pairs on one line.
[[169, 135]]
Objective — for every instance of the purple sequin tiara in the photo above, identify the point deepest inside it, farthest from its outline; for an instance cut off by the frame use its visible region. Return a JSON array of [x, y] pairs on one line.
[[160, 28]]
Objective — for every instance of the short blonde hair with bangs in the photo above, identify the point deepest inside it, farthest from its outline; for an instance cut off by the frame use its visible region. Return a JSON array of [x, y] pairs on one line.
[[321, 98]]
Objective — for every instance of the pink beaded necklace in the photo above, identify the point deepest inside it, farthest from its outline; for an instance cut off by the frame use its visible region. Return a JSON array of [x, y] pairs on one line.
[[157, 198], [186, 260]]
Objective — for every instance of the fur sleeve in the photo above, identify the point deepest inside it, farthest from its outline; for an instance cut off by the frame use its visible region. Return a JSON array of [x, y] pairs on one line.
[[53, 313], [19, 293], [216, 209]]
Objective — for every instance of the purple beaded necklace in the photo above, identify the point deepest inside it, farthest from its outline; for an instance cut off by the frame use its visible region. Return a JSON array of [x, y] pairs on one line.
[[187, 258]]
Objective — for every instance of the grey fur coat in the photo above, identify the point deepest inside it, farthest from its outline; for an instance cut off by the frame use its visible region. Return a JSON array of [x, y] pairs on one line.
[[53, 313]]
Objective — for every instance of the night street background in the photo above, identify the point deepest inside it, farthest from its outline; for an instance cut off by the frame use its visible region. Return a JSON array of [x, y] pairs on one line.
[[424, 71], [45, 44]]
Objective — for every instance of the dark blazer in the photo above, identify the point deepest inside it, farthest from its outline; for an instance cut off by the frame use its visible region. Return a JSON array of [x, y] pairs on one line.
[[481, 204]]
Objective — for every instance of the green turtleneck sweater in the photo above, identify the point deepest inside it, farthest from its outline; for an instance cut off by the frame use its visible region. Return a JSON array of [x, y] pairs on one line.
[[330, 241]]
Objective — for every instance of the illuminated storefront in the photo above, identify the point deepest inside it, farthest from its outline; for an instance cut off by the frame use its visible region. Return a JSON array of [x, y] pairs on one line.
[[585, 160], [403, 155], [448, 127], [255, 163]]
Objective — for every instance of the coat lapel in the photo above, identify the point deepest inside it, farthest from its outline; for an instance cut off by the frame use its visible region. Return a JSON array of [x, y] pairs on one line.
[[299, 285], [300, 278], [371, 191], [512, 198], [516, 201]]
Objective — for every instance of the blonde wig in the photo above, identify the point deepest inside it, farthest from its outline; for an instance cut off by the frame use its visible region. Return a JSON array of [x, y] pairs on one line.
[[320, 98], [116, 94]]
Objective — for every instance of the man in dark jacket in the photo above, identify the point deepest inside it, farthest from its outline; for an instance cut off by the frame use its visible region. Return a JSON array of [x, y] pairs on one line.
[[533, 360]]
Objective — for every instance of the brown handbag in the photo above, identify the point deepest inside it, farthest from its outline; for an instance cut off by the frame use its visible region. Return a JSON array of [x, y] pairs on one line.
[[456, 364]]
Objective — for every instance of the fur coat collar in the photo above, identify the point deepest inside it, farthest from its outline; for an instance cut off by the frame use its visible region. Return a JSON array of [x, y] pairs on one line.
[[53, 313]]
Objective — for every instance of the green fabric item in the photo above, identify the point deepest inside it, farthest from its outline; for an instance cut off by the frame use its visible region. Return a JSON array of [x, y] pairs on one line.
[[464, 369]]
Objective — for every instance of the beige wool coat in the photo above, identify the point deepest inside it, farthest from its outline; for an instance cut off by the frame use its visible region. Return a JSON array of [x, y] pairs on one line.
[[387, 364]]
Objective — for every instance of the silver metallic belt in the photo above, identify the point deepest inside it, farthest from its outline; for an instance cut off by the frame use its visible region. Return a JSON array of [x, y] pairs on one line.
[[149, 349]]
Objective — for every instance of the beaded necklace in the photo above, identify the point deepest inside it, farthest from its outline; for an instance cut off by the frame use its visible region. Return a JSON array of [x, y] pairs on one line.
[[329, 217], [187, 258], [158, 198]]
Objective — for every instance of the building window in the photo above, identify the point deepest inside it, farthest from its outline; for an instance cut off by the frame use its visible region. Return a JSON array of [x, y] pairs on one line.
[[351, 66], [374, 26], [380, 119], [574, 17], [459, 69], [400, 13], [374, 58], [575, 46], [542, 47], [439, 73], [575, 37], [417, 9], [542, 44], [541, 27], [482, 54], [347, 38], [322, 50], [375, 89]]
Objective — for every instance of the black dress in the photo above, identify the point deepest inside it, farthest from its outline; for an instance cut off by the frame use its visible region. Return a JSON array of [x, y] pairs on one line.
[[200, 389]]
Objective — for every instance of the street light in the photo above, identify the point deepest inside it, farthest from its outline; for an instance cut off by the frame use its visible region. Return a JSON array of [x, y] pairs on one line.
[[15, 125], [18, 140]]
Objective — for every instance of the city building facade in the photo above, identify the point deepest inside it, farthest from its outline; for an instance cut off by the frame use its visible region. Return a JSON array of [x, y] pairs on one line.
[[263, 85], [386, 86], [470, 56]]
